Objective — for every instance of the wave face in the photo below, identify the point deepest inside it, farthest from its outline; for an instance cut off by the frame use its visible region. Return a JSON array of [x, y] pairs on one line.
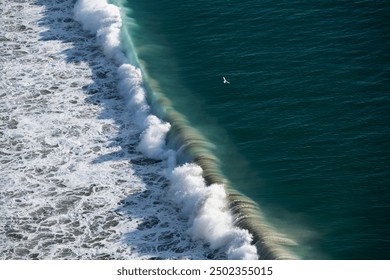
[[203, 206]]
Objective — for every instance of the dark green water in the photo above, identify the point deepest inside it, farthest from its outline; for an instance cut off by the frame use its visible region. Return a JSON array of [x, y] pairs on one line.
[[303, 126]]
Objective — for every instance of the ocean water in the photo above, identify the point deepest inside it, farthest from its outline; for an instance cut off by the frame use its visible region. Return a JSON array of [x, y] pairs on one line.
[[302, 129], [120, 140], [85, 171]]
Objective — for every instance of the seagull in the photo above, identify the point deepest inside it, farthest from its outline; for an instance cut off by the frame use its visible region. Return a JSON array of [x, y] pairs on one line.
[[225, 81]]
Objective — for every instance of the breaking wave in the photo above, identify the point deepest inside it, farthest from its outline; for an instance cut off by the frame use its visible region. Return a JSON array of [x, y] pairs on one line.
[[205, 205]]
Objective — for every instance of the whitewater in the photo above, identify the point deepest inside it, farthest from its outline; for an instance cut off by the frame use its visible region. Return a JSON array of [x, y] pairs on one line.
[[85, 170]]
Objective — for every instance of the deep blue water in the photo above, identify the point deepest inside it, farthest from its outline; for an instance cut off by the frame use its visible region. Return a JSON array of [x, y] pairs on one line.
[[303, 126]]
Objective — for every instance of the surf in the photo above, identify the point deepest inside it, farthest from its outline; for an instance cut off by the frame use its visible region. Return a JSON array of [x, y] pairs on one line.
[[215, 211]]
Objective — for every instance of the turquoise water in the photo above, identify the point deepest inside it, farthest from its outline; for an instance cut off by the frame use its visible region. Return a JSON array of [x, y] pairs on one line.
[[303, 127]]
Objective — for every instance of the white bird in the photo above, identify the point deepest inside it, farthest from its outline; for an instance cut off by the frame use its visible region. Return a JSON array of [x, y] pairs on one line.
[[225, 81]]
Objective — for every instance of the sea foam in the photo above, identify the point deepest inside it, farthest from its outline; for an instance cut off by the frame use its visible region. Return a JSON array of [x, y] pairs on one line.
[[205, 207], [73, 184]]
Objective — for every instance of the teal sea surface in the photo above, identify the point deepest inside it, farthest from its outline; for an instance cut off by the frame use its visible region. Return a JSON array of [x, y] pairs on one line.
[[303, 127]]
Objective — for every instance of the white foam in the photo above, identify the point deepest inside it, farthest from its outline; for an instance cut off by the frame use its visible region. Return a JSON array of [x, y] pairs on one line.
[[153, 138], [103, 20], [72, 184], [204, 206], [206, 209]]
